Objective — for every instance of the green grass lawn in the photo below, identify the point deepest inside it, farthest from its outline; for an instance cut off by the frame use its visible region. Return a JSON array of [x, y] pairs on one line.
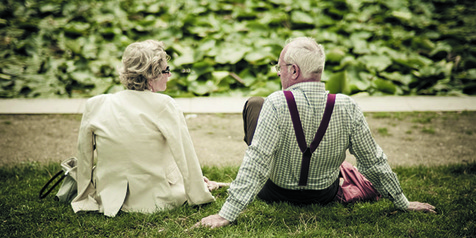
[[451, 189]]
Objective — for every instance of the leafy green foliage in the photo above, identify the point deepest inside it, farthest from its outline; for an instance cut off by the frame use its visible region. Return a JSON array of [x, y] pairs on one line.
[[58, 48]]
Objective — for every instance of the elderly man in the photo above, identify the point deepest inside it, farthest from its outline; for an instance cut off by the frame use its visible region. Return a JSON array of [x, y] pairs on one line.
[[273, 169]]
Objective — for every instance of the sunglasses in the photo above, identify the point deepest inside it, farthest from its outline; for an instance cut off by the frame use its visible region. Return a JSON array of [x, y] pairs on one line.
[[166, 71]]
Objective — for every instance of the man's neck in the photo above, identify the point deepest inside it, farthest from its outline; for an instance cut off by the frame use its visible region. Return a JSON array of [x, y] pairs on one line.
[[303, 81], [306, 80], [309, 80]]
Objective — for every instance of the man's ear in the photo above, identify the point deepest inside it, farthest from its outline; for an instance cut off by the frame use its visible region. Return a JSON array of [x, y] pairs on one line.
[[296, 71]]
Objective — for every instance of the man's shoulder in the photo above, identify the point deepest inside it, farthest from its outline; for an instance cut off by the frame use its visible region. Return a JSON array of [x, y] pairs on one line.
[[342, 98], [277, 95], [276, 98], [346, 103]]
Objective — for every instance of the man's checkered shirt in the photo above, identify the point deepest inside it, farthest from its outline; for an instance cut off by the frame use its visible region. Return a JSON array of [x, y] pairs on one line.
[[275, 154]]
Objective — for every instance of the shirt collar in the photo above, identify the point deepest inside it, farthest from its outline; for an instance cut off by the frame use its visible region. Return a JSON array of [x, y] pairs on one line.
[[308, 86]]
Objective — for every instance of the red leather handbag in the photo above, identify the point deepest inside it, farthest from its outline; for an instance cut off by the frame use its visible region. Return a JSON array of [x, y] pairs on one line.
[[354, 187]]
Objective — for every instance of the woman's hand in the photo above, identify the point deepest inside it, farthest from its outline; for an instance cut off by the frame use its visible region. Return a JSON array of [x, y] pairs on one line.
[[212, 185]]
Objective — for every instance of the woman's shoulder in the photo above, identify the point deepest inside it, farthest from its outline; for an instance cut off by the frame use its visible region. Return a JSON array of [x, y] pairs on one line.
[[97, 99], [159, 101], [145, 94], [132, 94], [161, 96]]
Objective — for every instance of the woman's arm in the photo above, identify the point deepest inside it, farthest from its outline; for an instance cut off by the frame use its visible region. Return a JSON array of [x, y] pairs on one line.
[[183, 151], [85, 165]]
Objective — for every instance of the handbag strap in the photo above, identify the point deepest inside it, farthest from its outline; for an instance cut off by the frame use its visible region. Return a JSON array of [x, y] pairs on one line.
[[308, 150], [43, 195]]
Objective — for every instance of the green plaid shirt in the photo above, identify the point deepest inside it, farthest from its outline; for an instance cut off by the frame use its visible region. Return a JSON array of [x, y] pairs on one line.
[[275, 154]]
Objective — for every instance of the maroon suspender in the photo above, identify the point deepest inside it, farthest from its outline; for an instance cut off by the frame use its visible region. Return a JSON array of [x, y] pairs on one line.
[[308, 150]]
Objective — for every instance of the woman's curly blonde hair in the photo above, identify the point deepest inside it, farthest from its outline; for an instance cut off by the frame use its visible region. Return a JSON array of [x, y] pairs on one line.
[[141, 63]]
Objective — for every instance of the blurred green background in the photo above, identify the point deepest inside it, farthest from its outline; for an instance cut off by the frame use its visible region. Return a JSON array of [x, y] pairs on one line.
[[71, 48]]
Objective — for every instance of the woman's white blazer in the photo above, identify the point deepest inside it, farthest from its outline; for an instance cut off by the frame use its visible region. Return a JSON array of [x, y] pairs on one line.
[[145, 161]]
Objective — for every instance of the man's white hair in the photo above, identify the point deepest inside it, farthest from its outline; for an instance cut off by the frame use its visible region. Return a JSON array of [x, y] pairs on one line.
[[307, 54]]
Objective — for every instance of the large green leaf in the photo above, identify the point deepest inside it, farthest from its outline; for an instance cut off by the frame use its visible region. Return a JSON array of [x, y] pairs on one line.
[[338, 83], [299, 17], [261, 55], [359, 79], [397, 77], [335, 55], [82, 77], [404, 16], [265, 88], [218, 76], [385, 86], [231, 54], [186, 58], [201, 88], [376, 62]]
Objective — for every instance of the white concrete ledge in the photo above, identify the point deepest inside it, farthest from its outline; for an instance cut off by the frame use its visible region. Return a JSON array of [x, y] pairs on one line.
[[416, 103], [42, 106], [235, 105]]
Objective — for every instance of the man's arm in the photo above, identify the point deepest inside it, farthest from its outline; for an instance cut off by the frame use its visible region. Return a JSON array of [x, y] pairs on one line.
[[216, 221], [254, 170], [372, 163]]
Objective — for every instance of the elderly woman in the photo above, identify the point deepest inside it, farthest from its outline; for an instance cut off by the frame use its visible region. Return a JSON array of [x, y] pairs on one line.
[[145, 157]]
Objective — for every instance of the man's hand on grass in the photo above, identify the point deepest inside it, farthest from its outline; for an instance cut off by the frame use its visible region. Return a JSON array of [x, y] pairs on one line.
[[421, 207], [212, 221]]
